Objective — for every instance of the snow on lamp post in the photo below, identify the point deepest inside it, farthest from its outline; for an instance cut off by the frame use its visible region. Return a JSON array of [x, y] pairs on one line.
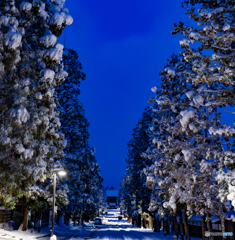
[[60, 172]]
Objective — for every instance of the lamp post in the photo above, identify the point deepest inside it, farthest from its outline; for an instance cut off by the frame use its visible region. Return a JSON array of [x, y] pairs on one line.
[[60, 172]]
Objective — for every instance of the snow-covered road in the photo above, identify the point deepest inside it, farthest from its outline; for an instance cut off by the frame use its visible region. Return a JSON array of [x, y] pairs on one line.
[[116, 229], [111, 229]]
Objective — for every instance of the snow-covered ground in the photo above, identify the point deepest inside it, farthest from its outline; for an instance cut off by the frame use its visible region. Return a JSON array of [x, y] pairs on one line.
[[62, 232], [20, 235], [116, 229], [111, 229]]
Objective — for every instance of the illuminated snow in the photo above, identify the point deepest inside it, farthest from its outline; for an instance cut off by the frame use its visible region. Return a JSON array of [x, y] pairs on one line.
[[26, 6]]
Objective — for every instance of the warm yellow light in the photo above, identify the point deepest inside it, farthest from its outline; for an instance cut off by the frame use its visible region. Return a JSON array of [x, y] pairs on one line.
[[62, 173]]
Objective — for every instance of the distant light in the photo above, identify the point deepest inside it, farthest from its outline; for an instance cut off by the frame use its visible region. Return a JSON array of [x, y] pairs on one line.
[[62, 173]]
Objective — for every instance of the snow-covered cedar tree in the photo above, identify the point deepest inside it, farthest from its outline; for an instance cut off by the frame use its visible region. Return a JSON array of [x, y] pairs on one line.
[[121, 199], [134, 183], [126, 198], [215, 70], [102, 204], [79, 159], [41, 197], [30, 69], [91, 180], [182, 147], [44, 191]]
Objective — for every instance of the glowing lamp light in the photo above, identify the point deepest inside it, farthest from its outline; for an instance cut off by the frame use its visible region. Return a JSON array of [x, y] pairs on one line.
[[62, 173]]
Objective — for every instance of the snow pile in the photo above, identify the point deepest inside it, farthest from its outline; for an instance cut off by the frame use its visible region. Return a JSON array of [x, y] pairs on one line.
[[4, 141], [26, 6], [60, 19], [41, 9], [48, 75], [187, 115], [20, 114], [187, 154], [226, 131], [192, 127], [190, 94], [198, 100], [226, 27], [203, 12], [194, 36], [170, 72], [53, 237], [48, 40], [154, 89], [24, 235], [13, 40], [218, 10], [184, 42], [55, 54], [231, 195]]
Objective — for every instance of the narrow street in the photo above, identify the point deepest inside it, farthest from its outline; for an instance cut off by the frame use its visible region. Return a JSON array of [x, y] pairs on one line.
[[116, 229]]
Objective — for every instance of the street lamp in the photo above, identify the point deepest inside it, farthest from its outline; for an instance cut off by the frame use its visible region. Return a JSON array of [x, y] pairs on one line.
[[60, 172]]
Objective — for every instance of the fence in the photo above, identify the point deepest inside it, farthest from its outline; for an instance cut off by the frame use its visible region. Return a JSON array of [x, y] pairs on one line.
[[5, 215]]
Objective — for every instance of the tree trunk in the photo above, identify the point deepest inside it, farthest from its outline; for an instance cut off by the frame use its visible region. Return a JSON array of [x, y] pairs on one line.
[[186, 229], [67, 218], [150, 222], [25, 217], [40, 222], [181, 227], [203, 227], [167, 225], [48, 218], [74, 220], [175, 226], [141, 222], [59, 214], [35, 220], [61, 219], [170, 225], [221, 217], [145, 223], [164, 226], [209, 226], [138, 220]]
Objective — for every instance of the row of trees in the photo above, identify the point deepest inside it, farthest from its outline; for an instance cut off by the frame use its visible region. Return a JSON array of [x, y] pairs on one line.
[[83, 180], [187, 152], [40, 112]]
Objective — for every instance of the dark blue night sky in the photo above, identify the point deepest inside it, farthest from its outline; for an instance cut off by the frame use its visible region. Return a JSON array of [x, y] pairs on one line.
[[122, 46]]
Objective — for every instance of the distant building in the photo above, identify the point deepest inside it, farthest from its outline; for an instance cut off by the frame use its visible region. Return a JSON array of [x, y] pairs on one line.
[[111, 197]]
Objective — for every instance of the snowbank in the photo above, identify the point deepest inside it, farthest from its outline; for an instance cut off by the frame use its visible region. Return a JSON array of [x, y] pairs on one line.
[[20, 235]]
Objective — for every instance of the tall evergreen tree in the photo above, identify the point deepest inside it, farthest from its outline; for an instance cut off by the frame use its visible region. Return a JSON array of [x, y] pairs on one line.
[[214, 69], [30, 69], [83, 169], [91, 180], [134, 182], [102, 204], [186, 170]]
